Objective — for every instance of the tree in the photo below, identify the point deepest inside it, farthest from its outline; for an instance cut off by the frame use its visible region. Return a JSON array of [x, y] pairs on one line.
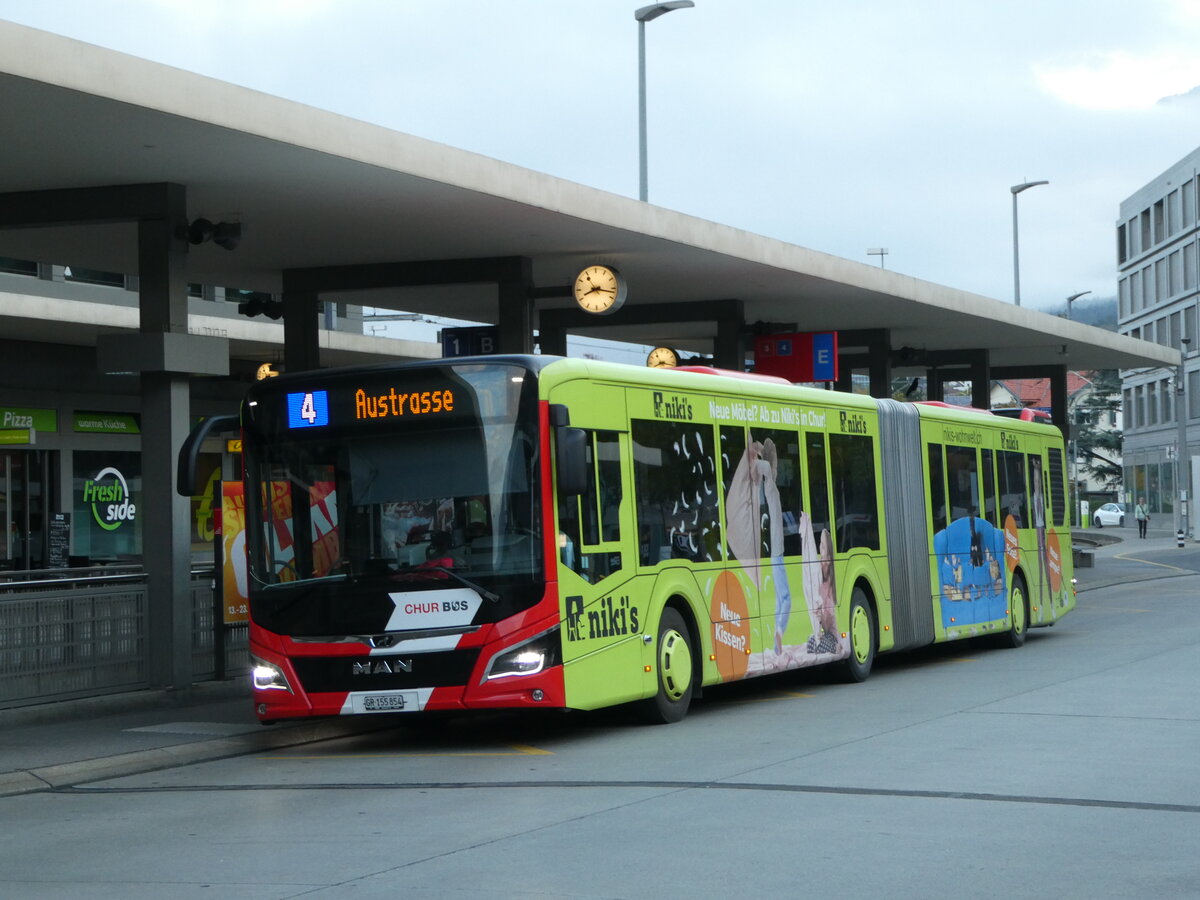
[[1098, 444]]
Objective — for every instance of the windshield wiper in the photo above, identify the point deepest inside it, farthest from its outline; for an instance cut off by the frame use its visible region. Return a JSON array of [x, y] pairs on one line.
[[477, 588], [426, 567]]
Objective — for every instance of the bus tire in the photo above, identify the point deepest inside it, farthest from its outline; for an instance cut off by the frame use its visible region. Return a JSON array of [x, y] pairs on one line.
[[863, 641], [1018, 608], [674, 671]]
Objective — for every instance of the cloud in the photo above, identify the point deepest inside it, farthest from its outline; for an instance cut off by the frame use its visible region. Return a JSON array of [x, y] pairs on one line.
[[1119, 80]]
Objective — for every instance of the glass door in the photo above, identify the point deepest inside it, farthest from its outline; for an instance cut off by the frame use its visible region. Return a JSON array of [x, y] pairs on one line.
[[24, 477]]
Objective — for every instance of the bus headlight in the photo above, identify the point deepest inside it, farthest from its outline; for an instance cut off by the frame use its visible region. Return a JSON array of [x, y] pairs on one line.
[[528, 658], [268, 676]]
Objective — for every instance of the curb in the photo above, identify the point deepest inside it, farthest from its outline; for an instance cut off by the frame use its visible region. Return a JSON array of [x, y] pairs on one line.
[[139, 762]]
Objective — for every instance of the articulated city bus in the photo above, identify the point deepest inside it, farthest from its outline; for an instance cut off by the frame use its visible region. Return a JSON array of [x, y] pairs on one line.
[[525, 532]]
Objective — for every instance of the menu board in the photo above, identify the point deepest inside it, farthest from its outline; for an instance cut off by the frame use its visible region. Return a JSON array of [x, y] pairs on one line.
[[60, 540]]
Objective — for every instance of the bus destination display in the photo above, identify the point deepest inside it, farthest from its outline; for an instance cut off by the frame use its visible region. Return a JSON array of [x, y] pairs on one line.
[[309, 409]]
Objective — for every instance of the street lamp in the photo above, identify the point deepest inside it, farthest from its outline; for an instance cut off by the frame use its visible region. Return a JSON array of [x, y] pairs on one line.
[[644, 15], [1070, 299], [1182, 458], [1016, 189]]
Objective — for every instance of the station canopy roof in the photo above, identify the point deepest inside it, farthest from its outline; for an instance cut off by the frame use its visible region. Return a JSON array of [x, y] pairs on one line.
[[313, 188]]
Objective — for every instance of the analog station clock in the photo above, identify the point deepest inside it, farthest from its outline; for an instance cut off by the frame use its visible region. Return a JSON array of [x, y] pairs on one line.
[[599, 290], [662, 358]]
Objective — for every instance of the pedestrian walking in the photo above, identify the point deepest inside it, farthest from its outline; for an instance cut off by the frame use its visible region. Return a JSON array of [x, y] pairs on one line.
[[1142, 515]]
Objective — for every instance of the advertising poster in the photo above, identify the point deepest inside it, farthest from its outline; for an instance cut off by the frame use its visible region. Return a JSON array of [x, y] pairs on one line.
[[233, 538]]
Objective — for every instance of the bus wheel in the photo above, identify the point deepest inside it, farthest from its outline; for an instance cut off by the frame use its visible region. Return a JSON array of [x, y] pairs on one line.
[[675, 671], [1018, 607], [862, 638]]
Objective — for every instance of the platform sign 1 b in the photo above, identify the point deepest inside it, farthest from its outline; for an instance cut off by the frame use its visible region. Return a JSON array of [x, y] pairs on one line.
[[471, 340], [798, 356]]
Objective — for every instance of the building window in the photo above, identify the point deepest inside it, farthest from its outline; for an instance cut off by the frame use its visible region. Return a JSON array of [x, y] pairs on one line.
[[1147, 242], [1121, 253], [1160, 232], [1168, 401], [1175, 272], [1127, 404], [1148, 297], [1189, 323], [1189, 267], [1193, 386], [1189, 203], [1174, 222], [1160, 281]]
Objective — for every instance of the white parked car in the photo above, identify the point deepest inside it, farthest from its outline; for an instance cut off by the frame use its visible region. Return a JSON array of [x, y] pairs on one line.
[[1108, 514]]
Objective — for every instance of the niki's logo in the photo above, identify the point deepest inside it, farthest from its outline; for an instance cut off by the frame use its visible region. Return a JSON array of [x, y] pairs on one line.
[[672, 408], [609, 617]]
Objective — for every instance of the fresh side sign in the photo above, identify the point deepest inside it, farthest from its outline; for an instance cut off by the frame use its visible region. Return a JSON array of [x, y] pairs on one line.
[[110, 500]]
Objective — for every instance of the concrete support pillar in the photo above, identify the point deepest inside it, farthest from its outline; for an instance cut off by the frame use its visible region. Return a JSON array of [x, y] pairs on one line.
[[515, 298], [166, 530], [301, 327], [166, 413], [729, 345]]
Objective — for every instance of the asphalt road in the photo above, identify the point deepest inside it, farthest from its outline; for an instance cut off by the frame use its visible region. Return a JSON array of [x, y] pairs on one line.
[[1066, 768]]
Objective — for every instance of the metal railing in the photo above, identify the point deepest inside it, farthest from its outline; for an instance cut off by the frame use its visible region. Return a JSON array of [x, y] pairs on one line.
[[68, 633]]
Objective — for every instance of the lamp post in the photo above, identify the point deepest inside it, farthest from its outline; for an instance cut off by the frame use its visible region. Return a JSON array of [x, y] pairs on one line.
[[644, 15], [1070, 299], [1182, 459], [1016, 189]]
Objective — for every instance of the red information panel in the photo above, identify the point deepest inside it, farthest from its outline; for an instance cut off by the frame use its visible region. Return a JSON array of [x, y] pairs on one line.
[[798, 356]]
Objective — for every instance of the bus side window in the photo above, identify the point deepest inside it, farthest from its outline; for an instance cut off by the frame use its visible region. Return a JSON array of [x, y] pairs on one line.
[[989, 488], [675, 473], [853, 465], [608, 484], [1057, 493], [592, 517], [937, 488], [818, 482], [962, 471], [1011, 466]]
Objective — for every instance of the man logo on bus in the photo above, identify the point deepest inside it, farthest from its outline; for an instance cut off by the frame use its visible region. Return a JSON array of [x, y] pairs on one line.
[[110, 500]]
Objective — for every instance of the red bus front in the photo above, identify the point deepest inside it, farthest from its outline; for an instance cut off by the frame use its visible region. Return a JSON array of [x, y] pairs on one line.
[[426, 579]]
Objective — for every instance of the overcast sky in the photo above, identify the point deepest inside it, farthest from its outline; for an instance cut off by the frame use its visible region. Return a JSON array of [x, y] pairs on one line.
[[836, 126]]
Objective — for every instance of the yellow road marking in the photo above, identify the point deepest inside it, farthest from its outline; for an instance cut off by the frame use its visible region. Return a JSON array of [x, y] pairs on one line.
[[1151, 563], [782, 695], [517, 750]]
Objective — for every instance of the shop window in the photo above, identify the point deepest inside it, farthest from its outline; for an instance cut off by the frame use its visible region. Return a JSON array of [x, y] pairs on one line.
[[18, 266], [107, 506]]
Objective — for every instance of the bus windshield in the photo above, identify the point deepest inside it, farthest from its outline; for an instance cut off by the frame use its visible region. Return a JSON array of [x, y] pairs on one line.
[[418, 477]]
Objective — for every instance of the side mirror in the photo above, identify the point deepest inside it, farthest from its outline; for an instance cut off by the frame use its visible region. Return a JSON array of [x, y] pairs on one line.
[[570, 460]]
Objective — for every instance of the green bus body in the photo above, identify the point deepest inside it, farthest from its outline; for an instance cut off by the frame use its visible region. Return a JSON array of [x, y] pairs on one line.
[[760, 511]]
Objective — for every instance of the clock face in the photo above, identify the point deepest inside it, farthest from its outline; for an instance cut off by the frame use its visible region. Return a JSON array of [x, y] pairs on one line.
[[662, 358], [599, 290]]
